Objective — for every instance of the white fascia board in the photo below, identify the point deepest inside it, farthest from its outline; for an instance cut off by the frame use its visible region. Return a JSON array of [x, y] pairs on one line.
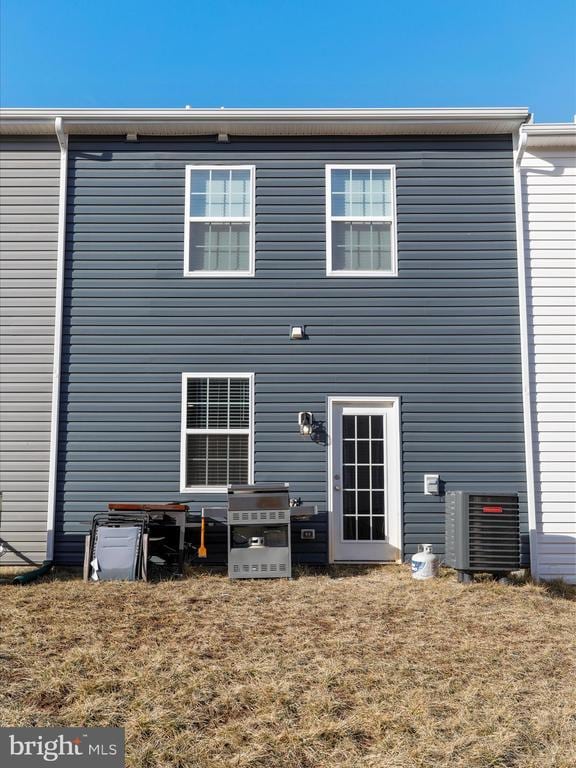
[[550, 135], [265, 121]]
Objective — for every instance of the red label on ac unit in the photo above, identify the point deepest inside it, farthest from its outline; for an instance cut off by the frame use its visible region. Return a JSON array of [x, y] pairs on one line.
[[492, 510]]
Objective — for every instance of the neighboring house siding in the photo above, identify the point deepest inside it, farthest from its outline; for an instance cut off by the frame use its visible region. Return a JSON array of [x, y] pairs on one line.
[[444, 335], [549, 191], [29, 179]]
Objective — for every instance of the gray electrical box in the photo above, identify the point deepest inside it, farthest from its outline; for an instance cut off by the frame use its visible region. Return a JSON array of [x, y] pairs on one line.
[[482, 532], [432, 485]]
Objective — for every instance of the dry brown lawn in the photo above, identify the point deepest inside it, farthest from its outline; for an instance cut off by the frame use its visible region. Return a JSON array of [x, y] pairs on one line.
[[337, 669]]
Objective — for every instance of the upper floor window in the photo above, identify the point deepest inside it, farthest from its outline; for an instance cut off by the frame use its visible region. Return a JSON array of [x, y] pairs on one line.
[[361, 220], [219, 234]]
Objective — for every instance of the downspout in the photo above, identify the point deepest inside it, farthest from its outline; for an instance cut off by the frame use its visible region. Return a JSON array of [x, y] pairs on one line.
[[519, 144], [58, 309]]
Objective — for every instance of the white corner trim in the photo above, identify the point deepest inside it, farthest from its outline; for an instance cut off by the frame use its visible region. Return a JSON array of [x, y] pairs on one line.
[[57, 358], [250, 376], [519, 144], [251, 220], [392, 220]]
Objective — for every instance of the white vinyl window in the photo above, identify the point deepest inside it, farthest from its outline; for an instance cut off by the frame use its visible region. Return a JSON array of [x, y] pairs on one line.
[[361, 220], [219, 228], [217, 429]]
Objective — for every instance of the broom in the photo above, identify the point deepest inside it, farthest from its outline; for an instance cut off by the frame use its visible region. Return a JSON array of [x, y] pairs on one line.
[[202, 551]]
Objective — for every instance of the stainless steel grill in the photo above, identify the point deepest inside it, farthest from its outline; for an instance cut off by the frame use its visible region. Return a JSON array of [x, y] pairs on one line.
[[259, 531]]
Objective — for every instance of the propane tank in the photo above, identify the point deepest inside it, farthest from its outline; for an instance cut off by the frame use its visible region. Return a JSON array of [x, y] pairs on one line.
[[424, 563]]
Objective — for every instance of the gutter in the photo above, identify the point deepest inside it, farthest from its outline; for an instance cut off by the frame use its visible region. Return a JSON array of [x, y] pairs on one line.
[[414, 113], [550, 136], [58, 312], [520, 139], [265, 121]]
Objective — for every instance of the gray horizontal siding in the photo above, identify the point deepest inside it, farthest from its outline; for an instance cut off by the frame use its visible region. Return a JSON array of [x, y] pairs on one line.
[[29, 181], [444, 335]]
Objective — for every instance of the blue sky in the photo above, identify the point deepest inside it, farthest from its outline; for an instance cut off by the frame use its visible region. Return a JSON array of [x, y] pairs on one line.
[[307, 53]]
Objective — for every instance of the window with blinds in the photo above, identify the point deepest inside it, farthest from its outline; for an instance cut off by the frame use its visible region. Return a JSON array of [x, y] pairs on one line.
[[217, 425]]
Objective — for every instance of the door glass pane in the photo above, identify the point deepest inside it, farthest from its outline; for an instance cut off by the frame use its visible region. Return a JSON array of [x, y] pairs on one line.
[[349, 452], [350, 527], [363, 449], [364, 478], [378, 530], [363, 494], [377, 502], [363, 426], [378, 477], [364, 528], [377, 452], [349, 502], [349, 476], [363, 503], [349, 427], [376, 427]]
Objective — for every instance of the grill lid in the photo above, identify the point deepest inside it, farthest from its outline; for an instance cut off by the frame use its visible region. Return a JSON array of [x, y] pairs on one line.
[[248, 497]]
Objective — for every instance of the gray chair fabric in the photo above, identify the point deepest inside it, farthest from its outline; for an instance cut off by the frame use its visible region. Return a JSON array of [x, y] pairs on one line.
[[116, 553]]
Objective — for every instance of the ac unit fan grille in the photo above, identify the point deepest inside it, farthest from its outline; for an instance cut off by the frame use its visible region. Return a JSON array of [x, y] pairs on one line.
[[494, 535]]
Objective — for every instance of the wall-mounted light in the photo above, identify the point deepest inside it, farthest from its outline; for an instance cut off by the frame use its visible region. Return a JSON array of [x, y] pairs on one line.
[[305, 422], [297, 332]]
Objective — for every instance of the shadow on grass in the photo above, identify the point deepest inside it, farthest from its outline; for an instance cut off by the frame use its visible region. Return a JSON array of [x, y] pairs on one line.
[[556, 589], [339, 571], [559, 589]]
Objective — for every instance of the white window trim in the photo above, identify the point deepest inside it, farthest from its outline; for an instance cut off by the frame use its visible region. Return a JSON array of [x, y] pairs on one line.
[[250, 272], [184, 431], [390, 219]]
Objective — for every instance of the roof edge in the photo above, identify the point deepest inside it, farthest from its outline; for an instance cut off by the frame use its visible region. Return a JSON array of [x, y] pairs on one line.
[[550, 135], [264, 121]]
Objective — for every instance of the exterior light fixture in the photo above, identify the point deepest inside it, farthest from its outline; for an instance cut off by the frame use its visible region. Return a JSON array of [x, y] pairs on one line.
[[297, 333], [223, 138], [305, 422], [131, 137]]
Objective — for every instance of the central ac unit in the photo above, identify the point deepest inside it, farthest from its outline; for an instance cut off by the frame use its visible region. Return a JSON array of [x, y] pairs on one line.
[[482, 533]]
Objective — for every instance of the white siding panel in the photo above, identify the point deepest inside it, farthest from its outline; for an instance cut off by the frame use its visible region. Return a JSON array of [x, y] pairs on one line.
[[549, 192]]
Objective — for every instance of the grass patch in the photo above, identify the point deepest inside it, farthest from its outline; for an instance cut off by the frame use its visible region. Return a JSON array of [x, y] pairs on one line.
[[344, 668]]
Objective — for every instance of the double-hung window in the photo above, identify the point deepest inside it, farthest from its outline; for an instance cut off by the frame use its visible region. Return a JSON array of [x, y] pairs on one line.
[[361, 220], [217, 429], [219, 227]]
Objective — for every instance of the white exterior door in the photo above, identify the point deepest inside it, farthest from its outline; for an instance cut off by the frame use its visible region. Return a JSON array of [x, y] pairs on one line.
[[364, 480]]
